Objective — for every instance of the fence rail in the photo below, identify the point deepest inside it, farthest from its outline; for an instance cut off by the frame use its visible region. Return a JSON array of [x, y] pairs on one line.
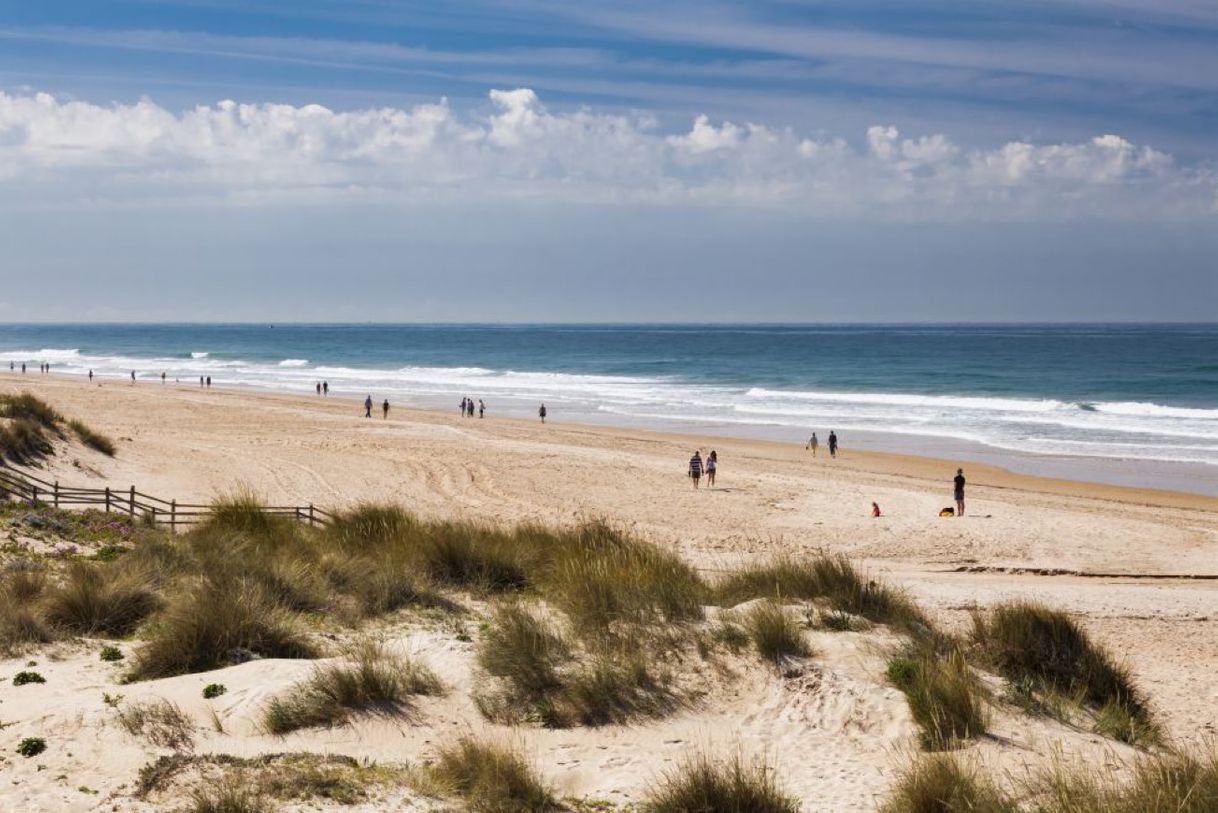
[[27, 488]]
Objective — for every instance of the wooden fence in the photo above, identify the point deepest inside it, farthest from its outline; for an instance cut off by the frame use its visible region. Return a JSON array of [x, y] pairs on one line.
[[26, 488]]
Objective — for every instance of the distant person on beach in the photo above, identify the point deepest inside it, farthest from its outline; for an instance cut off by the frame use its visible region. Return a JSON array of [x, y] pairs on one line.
[[541, 413], [813, 444], [385, 409], [325, 388], [368, 406], [875, 509], [90, 375], [469, 409], [209, 382], [463, 404], [959, 489], [695, 468], [319, 388], [481, 409], [162, 376], [23, 368], [133, 376], [832, 443], [712, 464]]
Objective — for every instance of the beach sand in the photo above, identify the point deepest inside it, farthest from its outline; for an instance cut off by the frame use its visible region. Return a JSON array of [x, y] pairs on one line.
[[1136, 566]]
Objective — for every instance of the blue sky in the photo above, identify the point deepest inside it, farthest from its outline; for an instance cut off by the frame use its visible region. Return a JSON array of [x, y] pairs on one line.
[[989, 123]]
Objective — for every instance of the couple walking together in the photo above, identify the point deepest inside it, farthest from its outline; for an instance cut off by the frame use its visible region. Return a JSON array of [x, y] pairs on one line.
[[697, 468]]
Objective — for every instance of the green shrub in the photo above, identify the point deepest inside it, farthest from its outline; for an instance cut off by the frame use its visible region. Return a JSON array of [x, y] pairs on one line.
[[214, 690], [31, 746], [27, 407], [702, 784], [945, 697], [111, 654], [490, 778], [26, 677]]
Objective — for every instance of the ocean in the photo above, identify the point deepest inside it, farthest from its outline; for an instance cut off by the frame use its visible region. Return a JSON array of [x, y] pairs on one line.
[[1026, 395]]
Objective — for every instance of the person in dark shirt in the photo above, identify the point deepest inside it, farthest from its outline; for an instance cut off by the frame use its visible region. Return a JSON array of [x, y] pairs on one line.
[[368, 407], [385, 409], [541, 413], [832, 443], [695, 468], [959, 484]]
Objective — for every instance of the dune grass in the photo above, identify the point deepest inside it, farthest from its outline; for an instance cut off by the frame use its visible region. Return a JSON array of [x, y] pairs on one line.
[[704, 784], [773, 633], [160, 722], [541, 676], [944, 696], [23, 441], [371, 681], [21, 623], [93, 439], [229, 796], [1047, 651], [1169, 782], [217, 621], [93, 599], [489, 778], [832, 578], [941, 783]]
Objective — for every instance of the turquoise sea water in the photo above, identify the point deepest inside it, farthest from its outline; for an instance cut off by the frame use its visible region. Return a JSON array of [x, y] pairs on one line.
[[1118, 392]]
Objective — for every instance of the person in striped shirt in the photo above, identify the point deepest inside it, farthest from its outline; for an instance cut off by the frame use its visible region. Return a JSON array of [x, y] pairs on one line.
[[695, 468]]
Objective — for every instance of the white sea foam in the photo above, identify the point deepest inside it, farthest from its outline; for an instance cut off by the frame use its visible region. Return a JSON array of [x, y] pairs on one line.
[[1117, 429]]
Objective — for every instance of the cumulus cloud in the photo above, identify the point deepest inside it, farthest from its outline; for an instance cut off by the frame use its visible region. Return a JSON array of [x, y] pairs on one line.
[[58, 152]]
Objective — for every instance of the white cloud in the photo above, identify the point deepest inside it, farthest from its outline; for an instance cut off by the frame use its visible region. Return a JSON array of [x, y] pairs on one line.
[[56, 152]]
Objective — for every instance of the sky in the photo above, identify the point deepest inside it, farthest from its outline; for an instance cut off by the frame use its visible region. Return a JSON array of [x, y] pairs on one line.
[[543, 161]]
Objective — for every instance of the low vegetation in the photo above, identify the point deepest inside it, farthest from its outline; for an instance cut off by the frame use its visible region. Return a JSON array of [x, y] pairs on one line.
[[1044, 651], [774, 633], [489, 778], [945, 697], [704, 784], [160, 722], [31, 746], [230, 796], [91, 601], [830, 578], [24, 678], [1158, 783], [28, 426], [941, 783], [371, 681]]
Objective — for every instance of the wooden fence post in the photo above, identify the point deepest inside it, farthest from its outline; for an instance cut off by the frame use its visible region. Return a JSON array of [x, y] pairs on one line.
[[107, 499], [310, 515], [131, 503], [173, 515], [34, 495], [56, 493]]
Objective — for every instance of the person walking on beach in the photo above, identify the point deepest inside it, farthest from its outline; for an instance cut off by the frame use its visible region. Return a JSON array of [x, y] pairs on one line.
[[542, 413], [813, 444], [319, 388], [695, 468], [959, 489], [325, 388], [90, 375], [712, 463], [469, 408], [162, 376], [368, 406], [832, 444], [463, 401], [209, 382], [23, 368], [133, 376], [481, 409], [385, 409]]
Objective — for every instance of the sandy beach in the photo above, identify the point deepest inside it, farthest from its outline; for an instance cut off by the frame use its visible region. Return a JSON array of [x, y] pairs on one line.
[[1138, 568]]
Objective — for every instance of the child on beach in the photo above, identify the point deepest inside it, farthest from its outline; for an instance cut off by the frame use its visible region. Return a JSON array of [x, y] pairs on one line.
[[875, 509], [695, 468], [712, 463]]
